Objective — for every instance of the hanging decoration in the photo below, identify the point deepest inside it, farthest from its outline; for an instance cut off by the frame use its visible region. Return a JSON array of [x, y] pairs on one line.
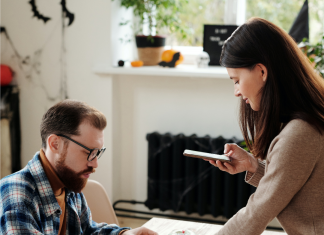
[[66, 12], [31, 64], [39, 16], [36, 13]]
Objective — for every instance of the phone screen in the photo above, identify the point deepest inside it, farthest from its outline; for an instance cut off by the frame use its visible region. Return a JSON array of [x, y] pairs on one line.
[[203, 155]]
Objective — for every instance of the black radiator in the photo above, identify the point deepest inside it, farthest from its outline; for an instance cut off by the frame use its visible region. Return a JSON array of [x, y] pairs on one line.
[[180, 183]]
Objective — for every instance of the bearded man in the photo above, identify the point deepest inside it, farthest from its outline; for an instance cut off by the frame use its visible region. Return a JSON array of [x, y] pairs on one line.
[[45, 197]]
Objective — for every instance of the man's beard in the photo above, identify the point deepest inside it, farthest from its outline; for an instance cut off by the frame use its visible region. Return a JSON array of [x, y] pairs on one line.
[[71, 179]]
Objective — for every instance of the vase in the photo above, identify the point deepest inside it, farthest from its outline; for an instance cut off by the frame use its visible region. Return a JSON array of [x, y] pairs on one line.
[[150, 49]]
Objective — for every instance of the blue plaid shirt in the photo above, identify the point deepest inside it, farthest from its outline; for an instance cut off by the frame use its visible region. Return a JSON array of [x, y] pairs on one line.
[[28, 206]]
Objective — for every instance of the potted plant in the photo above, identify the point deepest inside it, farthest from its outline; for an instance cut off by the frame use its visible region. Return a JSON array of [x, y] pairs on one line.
[[315, 54], [156, 15]]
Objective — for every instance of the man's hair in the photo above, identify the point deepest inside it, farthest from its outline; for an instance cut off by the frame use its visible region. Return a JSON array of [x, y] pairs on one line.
[[66, 116], [292, 90]]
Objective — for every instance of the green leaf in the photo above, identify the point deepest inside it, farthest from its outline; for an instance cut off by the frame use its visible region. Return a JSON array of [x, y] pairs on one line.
[[165, 12]]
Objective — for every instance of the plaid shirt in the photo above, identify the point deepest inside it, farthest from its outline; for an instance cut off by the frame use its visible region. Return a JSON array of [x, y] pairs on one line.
[[28, 206]]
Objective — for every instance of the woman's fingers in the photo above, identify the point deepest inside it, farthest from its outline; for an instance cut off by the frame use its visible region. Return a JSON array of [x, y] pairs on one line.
[[221, 166], [229, 153], [225, 167], [213, 163], [230, 168], [226, 148], [229, 149]]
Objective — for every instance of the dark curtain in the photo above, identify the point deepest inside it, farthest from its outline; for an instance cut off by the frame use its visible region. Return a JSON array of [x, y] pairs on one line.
[[10, 110], [300, 28]]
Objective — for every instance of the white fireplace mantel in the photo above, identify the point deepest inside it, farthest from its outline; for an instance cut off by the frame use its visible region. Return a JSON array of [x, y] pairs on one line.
[[180, 71]]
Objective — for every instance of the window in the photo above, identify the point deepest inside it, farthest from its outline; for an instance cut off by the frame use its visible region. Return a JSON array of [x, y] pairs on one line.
[[284, 12], [281, 12], [195, 14]]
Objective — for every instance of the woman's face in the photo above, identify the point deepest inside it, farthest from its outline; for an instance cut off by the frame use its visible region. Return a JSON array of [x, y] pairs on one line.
[[248, 84]]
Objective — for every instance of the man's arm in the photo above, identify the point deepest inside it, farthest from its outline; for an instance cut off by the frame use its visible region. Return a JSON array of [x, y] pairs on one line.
[[104, 228], [18, 221], [91, 227]]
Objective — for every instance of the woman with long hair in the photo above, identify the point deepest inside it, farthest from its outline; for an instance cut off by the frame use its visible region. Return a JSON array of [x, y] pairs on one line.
[[282, 121]]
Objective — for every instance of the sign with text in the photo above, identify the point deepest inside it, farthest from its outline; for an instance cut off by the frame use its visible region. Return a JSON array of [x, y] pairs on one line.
[[214, 37]]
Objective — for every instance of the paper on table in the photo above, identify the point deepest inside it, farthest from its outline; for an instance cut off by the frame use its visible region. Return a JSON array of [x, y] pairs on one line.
[[181, 231]]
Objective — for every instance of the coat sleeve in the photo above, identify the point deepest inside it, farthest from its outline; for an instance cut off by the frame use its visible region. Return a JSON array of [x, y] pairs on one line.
[[291, 159], [254, 178]]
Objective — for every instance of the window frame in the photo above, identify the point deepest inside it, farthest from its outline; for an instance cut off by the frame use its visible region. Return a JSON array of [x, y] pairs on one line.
[[235, 10]]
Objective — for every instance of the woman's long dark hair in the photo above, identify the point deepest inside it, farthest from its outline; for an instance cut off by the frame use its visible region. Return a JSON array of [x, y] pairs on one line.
[[292, 90]]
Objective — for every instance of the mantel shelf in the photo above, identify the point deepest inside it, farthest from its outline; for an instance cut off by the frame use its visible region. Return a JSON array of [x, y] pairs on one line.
[[180, 71]]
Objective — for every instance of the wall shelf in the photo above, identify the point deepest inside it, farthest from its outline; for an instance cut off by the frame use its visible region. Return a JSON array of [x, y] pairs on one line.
[[180, 71]]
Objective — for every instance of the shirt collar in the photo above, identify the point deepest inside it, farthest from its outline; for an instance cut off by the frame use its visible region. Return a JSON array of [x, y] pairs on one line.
[[56, 183], [43, 185]]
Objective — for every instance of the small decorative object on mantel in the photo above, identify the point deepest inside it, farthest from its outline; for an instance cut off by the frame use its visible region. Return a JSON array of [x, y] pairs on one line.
[[172, 63], [150, 50], [121, 63], [154, 15], [137, 63], [171, 58], [203, 60]]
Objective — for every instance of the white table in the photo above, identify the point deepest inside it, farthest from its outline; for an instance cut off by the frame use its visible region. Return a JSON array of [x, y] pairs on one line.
[[166, 226]]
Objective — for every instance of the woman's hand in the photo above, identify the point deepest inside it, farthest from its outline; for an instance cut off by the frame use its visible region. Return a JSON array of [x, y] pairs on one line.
[[241, 160]]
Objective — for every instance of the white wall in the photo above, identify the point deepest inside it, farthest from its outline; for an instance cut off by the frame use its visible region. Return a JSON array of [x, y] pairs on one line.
[[87, 41], [133, 105]]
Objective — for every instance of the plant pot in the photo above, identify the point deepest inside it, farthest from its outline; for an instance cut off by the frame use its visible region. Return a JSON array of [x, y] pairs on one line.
[[150, 48]]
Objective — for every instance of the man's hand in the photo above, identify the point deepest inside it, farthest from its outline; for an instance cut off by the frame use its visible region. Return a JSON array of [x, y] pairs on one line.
[[140, 231]]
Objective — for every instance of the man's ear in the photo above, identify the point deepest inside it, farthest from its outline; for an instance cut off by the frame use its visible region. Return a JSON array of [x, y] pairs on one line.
[[263, 71], [53, 143]]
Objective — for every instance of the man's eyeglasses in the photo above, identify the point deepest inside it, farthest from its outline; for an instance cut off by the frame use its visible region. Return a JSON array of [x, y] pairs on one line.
[[93, 152]]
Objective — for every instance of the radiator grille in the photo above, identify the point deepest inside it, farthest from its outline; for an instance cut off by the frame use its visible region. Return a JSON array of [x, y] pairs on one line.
[[180, 183]]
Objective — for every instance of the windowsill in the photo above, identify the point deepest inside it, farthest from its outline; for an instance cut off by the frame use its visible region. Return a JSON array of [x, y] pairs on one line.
[[190, 71]]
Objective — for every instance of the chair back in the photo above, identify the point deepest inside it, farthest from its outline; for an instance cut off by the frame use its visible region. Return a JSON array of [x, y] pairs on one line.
[[99, 203]]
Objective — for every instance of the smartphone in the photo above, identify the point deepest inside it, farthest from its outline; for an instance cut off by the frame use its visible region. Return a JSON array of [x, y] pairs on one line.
[[203, 155]]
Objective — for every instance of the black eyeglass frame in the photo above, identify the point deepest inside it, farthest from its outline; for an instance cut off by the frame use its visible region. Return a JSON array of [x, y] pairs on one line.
[[98, 155]]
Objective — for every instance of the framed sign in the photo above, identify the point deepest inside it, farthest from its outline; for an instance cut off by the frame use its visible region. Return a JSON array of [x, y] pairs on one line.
[[214, 37]]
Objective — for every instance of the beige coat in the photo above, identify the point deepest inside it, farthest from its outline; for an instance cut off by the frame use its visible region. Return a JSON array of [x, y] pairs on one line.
[[290, 185]]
